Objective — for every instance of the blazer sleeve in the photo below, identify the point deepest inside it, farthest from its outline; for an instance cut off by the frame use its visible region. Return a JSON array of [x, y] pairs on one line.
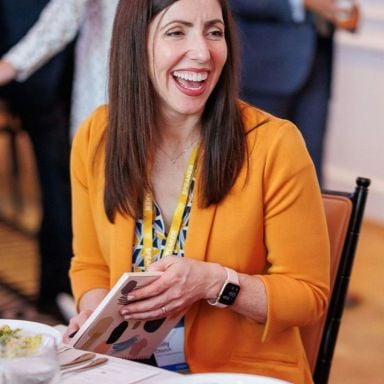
[[89, 268], [274, 10], [296, 237], [57, 25]]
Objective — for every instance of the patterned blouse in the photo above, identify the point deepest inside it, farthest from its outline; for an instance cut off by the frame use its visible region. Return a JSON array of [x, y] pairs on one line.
[[159, 236]]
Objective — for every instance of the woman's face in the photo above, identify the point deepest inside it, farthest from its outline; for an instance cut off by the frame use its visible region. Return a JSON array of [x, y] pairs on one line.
[[187, 51]]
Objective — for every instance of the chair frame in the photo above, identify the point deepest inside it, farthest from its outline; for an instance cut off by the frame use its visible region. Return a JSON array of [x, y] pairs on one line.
[[340, 288]]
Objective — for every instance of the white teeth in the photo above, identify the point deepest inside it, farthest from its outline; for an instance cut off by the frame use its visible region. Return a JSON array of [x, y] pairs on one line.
[[191, 76]]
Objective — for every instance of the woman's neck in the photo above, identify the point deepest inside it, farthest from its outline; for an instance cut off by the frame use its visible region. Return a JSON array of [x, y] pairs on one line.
[[175, 140], [178, 132]]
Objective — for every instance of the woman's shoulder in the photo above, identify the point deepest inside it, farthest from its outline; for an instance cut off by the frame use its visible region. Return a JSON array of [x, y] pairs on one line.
[[261, 124], [93, 127], [255, 118], [271, 137]]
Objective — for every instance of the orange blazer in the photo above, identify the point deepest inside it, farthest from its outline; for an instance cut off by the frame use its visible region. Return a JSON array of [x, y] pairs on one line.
[[271, 224]]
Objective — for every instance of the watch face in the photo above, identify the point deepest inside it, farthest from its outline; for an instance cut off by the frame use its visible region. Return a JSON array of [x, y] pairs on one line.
[[229, 294]]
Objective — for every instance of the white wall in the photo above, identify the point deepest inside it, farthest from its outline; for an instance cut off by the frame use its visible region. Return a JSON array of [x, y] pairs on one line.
[[355, 139]]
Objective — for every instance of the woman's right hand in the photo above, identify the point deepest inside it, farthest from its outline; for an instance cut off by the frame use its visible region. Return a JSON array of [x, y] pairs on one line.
[[75, 323], [7, 72], [88, 303]]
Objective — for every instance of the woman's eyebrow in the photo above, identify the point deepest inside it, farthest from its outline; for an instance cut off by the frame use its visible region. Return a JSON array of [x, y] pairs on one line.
[[214, 22], [189, 24]]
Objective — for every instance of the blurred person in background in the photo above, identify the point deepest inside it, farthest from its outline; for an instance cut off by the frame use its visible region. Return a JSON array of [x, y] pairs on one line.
[[287, 54], [42, 104], [58, 25]]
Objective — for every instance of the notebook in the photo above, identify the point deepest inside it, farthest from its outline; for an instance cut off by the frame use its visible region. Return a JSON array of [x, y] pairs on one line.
[[107, 332]]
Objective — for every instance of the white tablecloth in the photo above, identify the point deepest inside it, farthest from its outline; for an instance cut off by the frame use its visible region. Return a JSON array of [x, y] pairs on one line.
[[115, 371]]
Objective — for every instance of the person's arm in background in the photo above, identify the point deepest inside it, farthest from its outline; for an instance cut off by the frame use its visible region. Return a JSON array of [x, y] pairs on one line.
[[327, 9], [284, 10], [276, 10], [298, 10], [57, 25]]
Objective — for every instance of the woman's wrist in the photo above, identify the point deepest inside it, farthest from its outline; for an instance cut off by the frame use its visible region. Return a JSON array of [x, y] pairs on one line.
[[216, 276], [91, 299]]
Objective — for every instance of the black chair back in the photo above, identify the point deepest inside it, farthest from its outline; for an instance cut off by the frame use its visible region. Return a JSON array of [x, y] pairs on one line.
[[340, 288]]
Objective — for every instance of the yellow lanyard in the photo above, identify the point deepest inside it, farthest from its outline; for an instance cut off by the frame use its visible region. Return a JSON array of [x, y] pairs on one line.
[[177, 215]]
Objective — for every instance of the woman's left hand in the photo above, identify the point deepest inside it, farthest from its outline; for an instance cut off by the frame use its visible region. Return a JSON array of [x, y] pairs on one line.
[[183, 282]]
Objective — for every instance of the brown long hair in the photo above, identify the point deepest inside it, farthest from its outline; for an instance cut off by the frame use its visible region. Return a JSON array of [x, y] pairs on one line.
[[132, 121]]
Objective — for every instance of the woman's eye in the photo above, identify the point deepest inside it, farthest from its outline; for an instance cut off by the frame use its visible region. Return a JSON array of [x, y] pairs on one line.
[[216, 33], [174, 33]]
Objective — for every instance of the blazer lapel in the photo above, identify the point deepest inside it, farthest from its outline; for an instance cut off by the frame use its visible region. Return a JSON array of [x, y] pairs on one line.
[[122, 242], [199, 233], [200, 225]]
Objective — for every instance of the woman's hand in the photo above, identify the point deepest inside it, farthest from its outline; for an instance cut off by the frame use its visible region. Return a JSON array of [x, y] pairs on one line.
[[89, 301], [7, 72], [75, 323], [183, 282]]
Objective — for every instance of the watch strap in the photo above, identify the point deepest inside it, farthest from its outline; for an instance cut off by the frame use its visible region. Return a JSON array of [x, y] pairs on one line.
[[233, 278]]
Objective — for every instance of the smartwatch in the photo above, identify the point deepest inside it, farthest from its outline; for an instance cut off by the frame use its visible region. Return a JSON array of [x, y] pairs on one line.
[[229, 290]]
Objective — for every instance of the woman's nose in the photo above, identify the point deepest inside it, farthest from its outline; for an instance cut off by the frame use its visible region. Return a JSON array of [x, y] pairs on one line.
[[199, 49]]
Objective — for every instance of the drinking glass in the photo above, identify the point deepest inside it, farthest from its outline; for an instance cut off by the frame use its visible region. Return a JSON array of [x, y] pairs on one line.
[[42, 367]]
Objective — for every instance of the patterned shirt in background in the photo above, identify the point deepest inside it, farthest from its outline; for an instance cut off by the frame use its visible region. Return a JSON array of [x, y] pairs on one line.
[[59, 23], [159, 236]]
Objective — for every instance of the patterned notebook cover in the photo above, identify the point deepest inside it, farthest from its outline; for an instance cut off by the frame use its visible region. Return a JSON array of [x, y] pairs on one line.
[[107, 332]]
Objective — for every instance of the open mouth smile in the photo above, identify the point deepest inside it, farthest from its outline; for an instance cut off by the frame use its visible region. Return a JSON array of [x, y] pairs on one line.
[[190, 82]]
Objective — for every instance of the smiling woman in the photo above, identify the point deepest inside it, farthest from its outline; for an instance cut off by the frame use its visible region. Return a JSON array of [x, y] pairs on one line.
[[187, 52], [178, 175]]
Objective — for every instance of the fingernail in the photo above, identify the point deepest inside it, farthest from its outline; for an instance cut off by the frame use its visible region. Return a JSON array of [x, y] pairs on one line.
[[72, 334], [130, 298], [125, 312]]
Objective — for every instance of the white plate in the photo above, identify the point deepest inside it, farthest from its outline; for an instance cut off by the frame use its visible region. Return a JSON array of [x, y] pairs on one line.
[[224, 378], [31, 326]]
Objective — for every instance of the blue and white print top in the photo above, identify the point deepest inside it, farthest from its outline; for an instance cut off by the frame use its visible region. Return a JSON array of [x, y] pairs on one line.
[[159, 235]]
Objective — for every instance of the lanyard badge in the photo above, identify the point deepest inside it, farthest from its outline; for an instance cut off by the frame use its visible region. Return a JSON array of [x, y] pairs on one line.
[[177, 216], [170, 354]]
